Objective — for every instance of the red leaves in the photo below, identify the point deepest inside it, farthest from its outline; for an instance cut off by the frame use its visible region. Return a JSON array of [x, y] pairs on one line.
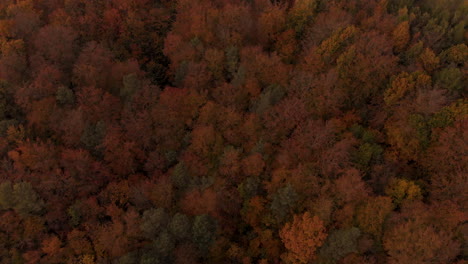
[[273, 108], [55, 44], [198, 202]]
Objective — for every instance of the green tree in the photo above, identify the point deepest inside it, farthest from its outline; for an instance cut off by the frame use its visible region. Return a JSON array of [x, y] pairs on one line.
[[452, 79], [203, 232], [180, 226], [283, 203], [131, 84], [6, 196], [65, 96], [180, 177], [93, 135], [26, 200], [164, 244], [153, 222], [340, 243]]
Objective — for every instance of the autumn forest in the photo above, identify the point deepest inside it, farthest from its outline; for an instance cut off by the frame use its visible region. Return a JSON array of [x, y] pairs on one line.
[[233, 131]]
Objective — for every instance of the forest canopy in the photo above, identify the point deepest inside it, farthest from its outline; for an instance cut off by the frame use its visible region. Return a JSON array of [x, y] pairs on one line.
[[233, 131]]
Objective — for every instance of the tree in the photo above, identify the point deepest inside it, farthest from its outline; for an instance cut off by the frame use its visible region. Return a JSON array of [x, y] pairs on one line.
[[180, 226], [131, 84], [13, 61], [371, 215], [121, 155], [8, 107], [153, 222], [340, 243], [300, 15], [270, 24], [401, 36], [450, 78], [364, 67], [284, 202], [164, 243], [447, 164], [403, 190], [302, 237], [350, 187], [200, 201], [51, 245], [93, 66], [7, 199], [203, 232], [55, 44], [26, 200], [65, 96], [429, 60], [413, 242]]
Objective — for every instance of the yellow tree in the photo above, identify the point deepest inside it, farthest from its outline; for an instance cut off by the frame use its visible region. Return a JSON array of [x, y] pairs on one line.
[[401, 36]]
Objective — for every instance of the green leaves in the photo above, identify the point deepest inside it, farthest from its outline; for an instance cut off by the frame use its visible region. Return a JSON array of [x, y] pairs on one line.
[[203, 232], [20, 197]]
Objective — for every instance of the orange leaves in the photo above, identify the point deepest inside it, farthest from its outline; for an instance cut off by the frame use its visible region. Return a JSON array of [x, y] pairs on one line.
[[34, 156], [302, 237], [429, 60], [270, 23], [51, 245], [371, 215], [401, 36]]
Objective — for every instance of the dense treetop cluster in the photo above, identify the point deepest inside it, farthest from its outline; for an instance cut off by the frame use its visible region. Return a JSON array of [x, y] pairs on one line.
[[233, 131]]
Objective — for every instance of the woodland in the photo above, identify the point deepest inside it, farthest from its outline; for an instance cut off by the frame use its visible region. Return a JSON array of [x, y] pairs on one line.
[[233, 131]]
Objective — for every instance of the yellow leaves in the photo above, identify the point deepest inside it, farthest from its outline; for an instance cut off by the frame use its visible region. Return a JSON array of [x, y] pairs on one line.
[[300, 14], [457, 54], [87, 259], [329, 47], [401, 36], [12, 46], [459, 109], [429, 60], [398, 88], [403, 84], [403, 190]]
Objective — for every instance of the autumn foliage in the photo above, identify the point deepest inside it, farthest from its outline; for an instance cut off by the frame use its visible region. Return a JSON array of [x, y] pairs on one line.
[[233, 131]]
